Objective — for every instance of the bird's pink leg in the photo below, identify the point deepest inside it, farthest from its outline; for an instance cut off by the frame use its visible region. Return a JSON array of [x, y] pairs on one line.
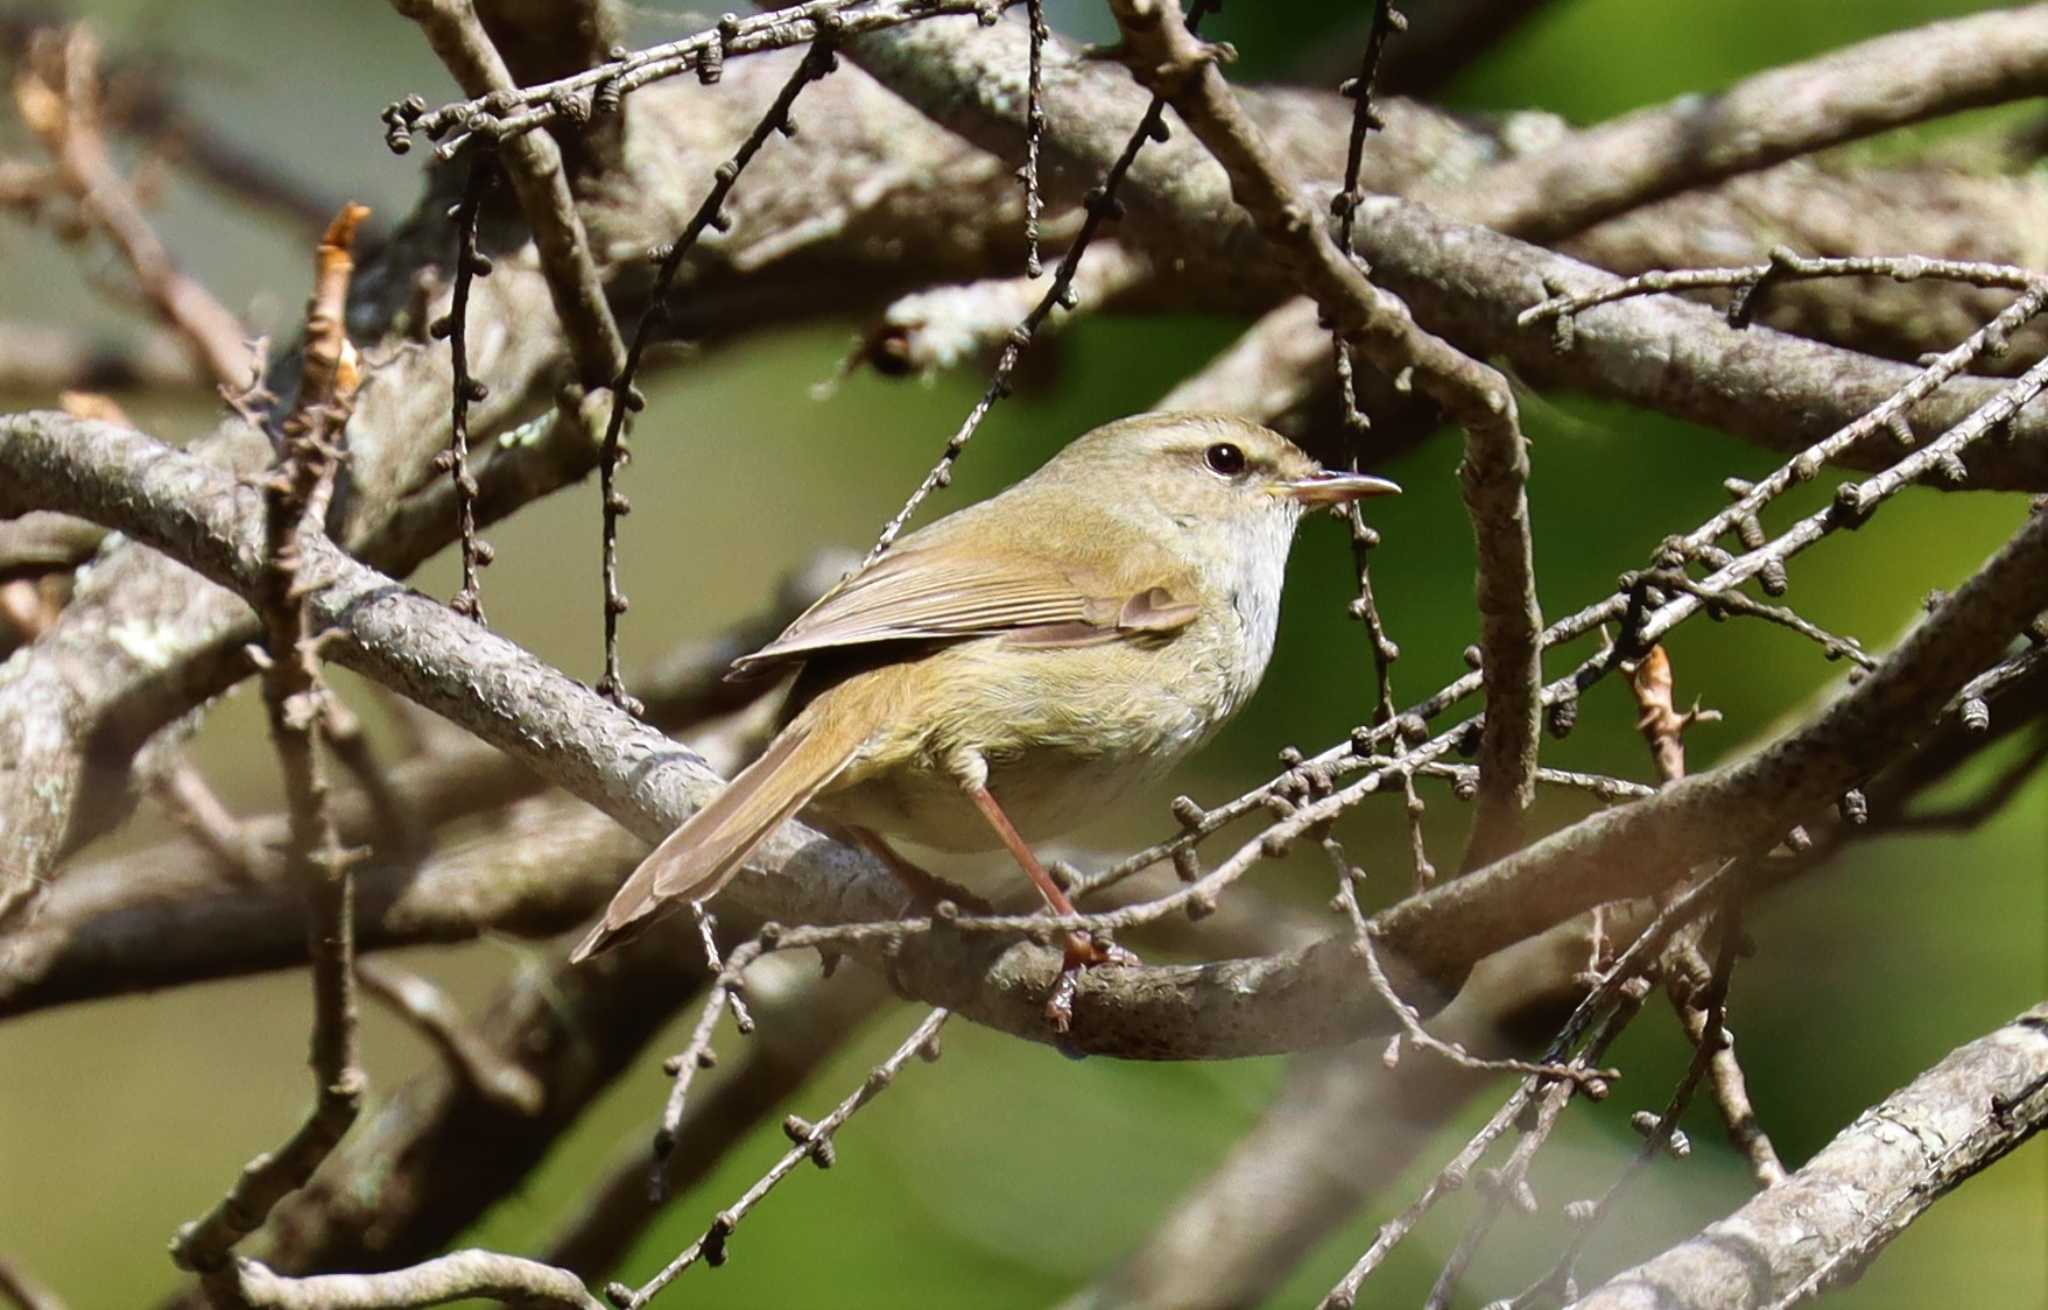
[[1081, 950]]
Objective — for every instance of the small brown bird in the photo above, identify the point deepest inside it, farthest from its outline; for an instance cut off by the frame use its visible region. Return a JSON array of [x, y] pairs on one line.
[[1008, 672]]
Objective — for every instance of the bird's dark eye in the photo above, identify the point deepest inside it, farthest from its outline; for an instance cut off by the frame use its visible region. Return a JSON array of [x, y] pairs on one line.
[[1224, 458]]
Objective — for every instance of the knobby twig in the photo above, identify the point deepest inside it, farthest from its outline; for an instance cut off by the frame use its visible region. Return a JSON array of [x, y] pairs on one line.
[[1344, 207], [1034, 116], [1663, 727], [813, 1142], [1785, 265], [295, 496], [1604, 1024], [470, 264], [506, 113], [1660, 1132], [806, 1023], [625, 396], [1411, 1022]]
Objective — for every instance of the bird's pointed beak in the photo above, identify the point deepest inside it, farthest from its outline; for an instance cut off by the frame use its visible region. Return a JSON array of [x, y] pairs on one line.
[[1325, 487]]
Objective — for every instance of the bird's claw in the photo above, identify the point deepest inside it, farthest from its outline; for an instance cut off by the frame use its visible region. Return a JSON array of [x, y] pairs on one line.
[[1083, 952]]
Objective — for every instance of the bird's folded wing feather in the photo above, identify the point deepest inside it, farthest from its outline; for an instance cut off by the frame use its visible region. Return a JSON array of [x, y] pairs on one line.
[[914, 594]]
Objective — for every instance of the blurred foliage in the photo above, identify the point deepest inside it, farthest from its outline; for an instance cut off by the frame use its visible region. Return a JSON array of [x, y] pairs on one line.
[[1006, 1175]]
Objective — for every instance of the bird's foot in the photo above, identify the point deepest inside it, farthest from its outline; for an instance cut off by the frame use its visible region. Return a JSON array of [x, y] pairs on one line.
[[1083, 952]]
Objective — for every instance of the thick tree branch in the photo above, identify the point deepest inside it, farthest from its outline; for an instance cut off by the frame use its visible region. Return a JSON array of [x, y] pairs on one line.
[[458, 1276], [1696, 140], [1823, 1225], [1462, 282]]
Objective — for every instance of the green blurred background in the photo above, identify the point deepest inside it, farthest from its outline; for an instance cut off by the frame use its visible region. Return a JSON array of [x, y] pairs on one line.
[[1006, 1175]]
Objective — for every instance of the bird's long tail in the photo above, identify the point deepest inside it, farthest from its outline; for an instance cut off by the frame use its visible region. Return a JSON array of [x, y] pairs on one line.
[[700, 857]]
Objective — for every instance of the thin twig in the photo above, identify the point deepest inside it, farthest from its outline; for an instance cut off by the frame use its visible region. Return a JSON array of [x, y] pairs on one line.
[[511, 112], [625, 397], [1730, 1087], [1034, 136], [437, 1018], [470, 264], [1660, 1132], [1785, 265], [533, 164], [813, 1142], [1734, 602], [57, 92], [1454, 1175], [295, 694], [726, 983], [196, 808], [1663, 727], [21, 1290], [1411, 1022]]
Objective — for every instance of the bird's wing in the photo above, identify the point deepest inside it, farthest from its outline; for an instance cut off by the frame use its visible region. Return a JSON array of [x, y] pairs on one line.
[[917, 593]]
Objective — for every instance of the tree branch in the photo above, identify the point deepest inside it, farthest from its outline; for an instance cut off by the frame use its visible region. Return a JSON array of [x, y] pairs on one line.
[[1821, 1227], [1697, 140], [1462, 282], [458, 1276]]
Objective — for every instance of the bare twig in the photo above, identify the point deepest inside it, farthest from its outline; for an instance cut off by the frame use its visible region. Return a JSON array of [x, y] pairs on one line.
[[1663, 728], [945, 326], [1411, 1022], [1784, 265], [805, 1022], [194, 806], [21, 1290], [438, 1019], [1660, 1132], [818, 61], [1730, 1087], [813, 1142], [508, 112], [1034, 114], [1613, 1014], [470, 264], [294, 498], [1891, 80], [57, 92]]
